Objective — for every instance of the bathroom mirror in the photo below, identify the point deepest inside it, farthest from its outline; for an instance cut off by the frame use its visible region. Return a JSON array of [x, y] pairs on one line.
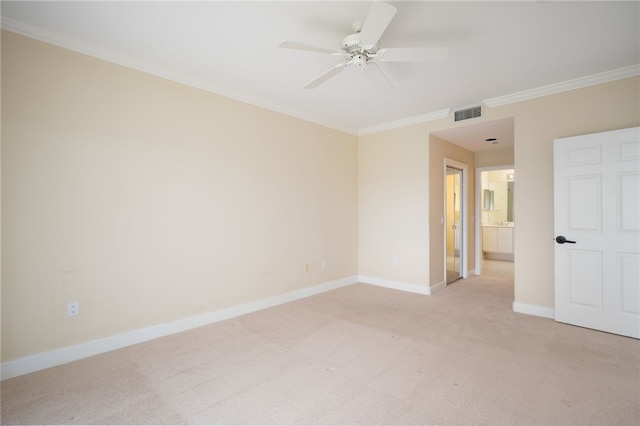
[[488, 199], [510, 189]]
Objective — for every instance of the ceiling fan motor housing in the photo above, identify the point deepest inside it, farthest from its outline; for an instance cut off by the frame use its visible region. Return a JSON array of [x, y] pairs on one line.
[[351, 43], [359, 59], [359, 55]]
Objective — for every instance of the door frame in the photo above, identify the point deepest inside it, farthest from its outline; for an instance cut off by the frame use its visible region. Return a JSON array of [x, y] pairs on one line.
[[478, 212], [464, 222]]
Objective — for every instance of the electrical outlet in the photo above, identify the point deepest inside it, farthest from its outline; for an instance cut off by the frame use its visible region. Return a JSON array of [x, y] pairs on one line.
[[73, 309], [306, 266], [396, 262], [324, 264]]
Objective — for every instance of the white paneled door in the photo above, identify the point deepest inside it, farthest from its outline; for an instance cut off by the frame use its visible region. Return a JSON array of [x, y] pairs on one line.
[[597, 231]]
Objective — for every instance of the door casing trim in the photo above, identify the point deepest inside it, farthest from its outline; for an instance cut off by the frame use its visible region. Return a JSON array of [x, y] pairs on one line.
[[464, 200]]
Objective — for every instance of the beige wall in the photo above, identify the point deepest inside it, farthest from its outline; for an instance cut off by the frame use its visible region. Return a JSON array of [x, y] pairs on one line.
[[494, 157], [148, 201], [537, 122], [393, 205]]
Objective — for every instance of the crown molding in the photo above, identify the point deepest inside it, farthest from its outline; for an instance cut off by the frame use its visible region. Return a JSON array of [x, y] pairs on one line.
[[132, 63], [437, 115], [88, 49], [552, 89]]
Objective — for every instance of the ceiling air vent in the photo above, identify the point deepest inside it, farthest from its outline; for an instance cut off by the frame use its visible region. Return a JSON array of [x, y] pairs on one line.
[[465, 114]]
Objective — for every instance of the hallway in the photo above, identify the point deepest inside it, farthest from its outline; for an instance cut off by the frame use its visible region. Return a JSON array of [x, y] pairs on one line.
[[497, 268]]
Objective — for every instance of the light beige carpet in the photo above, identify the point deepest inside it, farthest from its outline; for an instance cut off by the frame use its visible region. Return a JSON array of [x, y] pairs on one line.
[[357, 355]]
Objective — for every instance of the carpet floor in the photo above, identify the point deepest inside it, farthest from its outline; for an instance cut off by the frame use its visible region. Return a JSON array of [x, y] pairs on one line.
[[357, 355]]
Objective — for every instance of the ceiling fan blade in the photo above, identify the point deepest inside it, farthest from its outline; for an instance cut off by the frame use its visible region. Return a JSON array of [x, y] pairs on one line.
[[377, 78], [413, 54], [307, 47], [325, 76], [377, 20]]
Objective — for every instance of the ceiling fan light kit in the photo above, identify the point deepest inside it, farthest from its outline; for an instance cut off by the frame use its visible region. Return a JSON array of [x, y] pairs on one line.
[[362, 48]]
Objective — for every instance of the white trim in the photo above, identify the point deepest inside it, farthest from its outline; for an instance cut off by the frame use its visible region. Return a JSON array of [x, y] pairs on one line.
[[539, 311], [464, 197], [438, 287], [396, 285], [432, 116], [129, 62], [552, 89], [56, 357], [168, 74]]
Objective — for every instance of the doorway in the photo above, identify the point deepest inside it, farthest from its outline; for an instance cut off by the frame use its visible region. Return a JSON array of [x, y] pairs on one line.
[[492, 145], [496, 215], [454, 221]]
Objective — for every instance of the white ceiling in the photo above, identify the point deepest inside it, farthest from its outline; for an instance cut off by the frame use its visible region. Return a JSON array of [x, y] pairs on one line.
[[230, 47]]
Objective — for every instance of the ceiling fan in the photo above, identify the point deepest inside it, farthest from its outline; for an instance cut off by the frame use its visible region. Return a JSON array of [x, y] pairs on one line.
[[362, 48]]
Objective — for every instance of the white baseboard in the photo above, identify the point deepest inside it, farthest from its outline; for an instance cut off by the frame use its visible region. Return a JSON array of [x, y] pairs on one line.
[[437, 287], [396, 285], [539, 311], [32, 363]]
